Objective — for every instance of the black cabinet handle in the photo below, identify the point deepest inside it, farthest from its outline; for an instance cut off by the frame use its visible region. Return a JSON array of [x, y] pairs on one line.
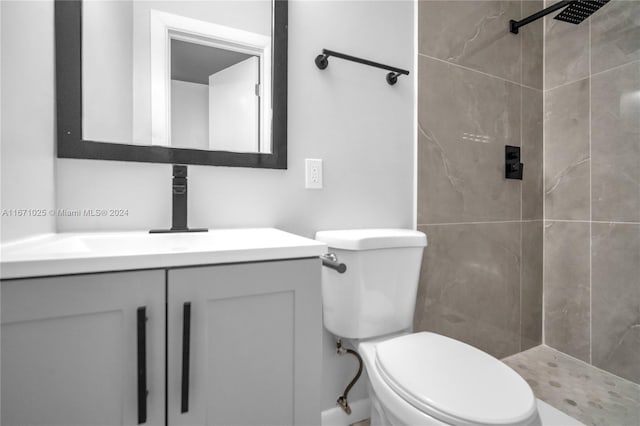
[[186, 337], [142, 364]]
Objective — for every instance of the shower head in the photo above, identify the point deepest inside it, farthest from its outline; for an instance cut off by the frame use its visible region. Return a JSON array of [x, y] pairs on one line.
[[575, 11], [579, 10]]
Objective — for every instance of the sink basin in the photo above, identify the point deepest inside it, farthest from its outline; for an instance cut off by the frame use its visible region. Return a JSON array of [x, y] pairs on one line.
[[67, 253]]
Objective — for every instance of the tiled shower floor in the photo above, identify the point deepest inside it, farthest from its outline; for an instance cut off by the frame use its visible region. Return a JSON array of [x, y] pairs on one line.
[[584, 392]]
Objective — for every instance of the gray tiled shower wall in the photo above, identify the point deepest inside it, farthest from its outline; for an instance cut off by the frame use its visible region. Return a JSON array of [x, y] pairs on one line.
[[480, 88], [592, 188]]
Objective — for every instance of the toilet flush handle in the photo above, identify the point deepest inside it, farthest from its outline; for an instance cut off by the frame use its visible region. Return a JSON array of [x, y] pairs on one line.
[[330, 260]]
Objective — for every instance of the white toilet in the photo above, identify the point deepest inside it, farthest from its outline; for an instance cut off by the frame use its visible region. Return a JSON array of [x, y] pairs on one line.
[[414, 378]]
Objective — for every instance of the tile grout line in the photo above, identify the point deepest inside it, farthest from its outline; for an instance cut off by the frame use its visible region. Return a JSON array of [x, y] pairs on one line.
[[478, 223], [416, 91], [590, 214], [593, 221], [609, 69], [594, 74], [521, 266], [606, 222], [567, 84], [521, 182], [477, 71], [544, 140]]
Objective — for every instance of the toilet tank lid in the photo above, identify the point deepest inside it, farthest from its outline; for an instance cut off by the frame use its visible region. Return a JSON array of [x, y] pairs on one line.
[[371, 239]]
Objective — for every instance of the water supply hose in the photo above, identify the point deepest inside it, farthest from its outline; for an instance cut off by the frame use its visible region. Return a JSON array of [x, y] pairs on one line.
[[342, 399]]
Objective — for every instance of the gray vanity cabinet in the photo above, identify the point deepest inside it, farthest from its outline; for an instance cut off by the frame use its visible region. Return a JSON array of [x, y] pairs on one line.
[[70, 349], [72, 346], [254, 344]]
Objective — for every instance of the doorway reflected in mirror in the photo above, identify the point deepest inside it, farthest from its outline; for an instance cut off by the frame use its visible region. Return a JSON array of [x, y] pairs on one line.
[[186, 74], [215, 98]]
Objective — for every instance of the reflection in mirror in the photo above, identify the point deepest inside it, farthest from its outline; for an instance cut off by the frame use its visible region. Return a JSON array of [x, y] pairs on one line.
[[215, 102], [108, 71], [182, 74]]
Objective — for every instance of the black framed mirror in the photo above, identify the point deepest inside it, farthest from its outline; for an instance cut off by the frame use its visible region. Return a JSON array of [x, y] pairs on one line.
[[177, 38]]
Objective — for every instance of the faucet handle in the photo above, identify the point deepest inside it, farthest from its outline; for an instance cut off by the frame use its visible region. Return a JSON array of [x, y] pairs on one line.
[[179, 189]]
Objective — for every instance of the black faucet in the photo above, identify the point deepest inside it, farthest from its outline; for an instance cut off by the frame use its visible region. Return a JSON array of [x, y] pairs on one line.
[[179, 200], [179, 203]]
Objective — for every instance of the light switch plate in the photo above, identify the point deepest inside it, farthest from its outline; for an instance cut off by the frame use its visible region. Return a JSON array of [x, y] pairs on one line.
[[313, 173]]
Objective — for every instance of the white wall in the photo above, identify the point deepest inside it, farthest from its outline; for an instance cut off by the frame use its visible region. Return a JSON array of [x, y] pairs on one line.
[[28, 128], [347, 115], [189, 115]]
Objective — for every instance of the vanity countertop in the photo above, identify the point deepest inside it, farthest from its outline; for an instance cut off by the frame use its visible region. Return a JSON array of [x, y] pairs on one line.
[[76, 253]]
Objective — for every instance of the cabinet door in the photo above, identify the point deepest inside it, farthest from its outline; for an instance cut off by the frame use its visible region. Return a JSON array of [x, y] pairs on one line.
[[254, 344], [70, 349]]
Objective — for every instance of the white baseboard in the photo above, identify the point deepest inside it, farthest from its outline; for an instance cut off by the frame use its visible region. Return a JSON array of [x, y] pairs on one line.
[[360, 410], [551, 416]]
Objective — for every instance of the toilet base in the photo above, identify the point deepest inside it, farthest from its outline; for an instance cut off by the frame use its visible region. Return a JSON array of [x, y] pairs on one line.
[[383, 414], [379, 417]]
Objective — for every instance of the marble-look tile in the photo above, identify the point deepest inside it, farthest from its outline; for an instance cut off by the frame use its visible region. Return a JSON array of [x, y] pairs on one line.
[[532, 152], [615, 260], [566, 51], [469, 285], [465, 118], [582, 391], [474, 34], [615, 144], [615, 35], [566, 152], [531, 287], [566, 287], [532, 36]]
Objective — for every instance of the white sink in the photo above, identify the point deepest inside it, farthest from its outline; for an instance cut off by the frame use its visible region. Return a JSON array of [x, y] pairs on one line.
[[57, 254]]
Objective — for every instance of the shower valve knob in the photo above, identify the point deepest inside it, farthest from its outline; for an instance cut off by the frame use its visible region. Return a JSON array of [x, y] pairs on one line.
[[513, 166]]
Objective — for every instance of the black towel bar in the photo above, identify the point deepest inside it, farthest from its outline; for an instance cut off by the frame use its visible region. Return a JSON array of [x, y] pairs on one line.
[[322, 61]]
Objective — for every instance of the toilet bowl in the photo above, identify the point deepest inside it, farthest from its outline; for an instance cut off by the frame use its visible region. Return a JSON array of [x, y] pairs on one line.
[[429, 379], [414, 378]]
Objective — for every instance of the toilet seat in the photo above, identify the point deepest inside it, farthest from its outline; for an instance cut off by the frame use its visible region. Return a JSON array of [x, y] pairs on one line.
[[454, 382]]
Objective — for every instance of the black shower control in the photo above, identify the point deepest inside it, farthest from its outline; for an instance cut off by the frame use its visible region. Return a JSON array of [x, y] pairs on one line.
[[513, 166]]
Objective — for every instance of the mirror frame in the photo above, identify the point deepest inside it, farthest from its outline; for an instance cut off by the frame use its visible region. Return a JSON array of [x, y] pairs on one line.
[[70, 144]]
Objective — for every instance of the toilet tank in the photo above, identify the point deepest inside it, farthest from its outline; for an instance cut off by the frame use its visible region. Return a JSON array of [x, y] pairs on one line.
[[377, 293]]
